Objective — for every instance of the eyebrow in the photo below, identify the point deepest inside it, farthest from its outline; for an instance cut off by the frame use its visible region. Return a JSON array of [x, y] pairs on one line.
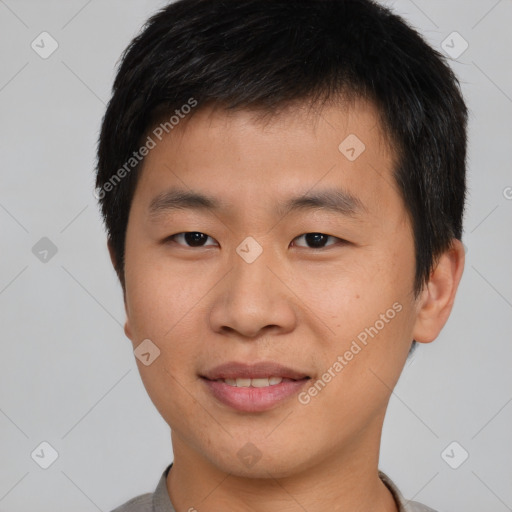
[[333, 200]]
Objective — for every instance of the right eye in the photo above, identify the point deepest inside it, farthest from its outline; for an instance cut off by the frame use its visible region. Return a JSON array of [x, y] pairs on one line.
[[190, 239]]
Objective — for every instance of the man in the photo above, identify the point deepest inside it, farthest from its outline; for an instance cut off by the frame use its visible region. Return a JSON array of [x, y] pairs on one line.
[[283, 188]]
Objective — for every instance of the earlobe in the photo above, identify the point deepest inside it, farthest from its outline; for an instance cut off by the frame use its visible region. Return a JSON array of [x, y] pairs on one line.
[[127, 330], [436, 300]]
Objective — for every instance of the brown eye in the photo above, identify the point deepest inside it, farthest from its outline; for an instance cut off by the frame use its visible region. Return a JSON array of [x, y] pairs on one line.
[[191, 239], [316, 240]]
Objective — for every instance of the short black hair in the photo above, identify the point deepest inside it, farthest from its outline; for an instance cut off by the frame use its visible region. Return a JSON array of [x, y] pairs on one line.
[[268, 54]]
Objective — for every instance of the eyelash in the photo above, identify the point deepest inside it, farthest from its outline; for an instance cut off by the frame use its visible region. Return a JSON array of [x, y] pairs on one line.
[[173, 237]]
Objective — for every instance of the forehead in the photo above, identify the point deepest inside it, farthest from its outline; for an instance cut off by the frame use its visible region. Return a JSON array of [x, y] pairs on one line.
[[249, 158]]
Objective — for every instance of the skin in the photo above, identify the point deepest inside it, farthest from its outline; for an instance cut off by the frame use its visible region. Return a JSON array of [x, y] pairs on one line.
[[295, 305]]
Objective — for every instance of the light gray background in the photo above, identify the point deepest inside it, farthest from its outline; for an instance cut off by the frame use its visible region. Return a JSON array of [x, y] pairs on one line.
[[68, 374]]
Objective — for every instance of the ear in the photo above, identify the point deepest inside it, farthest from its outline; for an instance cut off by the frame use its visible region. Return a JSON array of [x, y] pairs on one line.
[[113, 259], [436, 300]]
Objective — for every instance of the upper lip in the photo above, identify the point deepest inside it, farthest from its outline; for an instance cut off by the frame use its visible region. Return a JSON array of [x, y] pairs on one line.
[[233, 370]]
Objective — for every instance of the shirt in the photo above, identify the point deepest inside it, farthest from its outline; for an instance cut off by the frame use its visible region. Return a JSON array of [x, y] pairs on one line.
[[159, 500]]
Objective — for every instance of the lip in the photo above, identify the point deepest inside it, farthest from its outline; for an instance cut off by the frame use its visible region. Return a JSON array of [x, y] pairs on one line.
[[232, 370], [251, 399]]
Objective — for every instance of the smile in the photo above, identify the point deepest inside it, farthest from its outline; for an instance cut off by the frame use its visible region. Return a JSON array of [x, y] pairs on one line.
[[243, 382]]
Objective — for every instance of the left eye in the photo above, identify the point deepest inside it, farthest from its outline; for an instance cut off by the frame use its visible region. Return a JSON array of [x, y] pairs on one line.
[[316, 240], [191, 238]]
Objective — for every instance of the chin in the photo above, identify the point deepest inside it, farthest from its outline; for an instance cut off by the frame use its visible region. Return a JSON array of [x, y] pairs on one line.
[[252, 462]]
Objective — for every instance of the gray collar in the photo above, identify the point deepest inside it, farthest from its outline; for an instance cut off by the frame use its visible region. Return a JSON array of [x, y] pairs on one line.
[[403, 504], [162, 502]]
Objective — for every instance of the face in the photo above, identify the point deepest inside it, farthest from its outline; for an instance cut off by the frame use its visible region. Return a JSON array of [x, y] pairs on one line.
[[296, 266]]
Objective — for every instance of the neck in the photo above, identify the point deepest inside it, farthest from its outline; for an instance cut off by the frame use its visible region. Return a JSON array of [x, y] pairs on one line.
[[345, 482]]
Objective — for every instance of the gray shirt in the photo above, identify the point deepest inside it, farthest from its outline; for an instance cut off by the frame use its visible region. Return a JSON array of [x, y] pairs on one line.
[[159, 500]]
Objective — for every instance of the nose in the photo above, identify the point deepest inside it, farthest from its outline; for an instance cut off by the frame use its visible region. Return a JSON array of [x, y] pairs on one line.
[[253, 300]]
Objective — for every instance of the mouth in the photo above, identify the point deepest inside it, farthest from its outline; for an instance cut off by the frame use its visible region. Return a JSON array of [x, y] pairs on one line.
[[242, 382], [253, 387], [257, 371]]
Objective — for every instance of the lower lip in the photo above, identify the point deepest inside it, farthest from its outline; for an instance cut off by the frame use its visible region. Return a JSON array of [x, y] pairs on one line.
[[253, 399]]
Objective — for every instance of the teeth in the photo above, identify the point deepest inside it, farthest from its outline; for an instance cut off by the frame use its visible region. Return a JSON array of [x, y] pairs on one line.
[[259, 383], [243, 383], [255, 383]]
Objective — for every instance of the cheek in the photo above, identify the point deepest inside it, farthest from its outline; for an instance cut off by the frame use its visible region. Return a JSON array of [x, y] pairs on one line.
[[375, 330], [349, 294], [167, 305], [367, 306], [157, 296], [163, 306], [363, 362]]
